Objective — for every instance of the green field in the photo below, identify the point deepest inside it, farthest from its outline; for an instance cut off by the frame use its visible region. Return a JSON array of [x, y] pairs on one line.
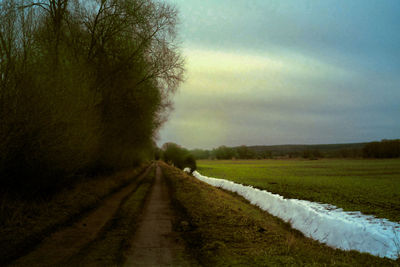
[[223, 229], [370, 186]]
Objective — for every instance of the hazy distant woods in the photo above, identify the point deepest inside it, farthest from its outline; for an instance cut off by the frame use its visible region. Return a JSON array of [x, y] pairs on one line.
[[382, 149], [179, 156], [84, 86]]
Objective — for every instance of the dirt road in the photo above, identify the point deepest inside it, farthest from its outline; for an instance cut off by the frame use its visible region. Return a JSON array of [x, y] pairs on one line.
[[155, 242], [132, 227]]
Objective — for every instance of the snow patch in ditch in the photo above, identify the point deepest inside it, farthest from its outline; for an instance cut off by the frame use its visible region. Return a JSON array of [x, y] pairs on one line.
[[323, 222]]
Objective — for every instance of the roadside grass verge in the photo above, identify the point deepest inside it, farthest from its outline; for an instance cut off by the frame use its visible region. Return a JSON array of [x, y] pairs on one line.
[[23, 224], [223, 229], [371, 186], [109, 247]]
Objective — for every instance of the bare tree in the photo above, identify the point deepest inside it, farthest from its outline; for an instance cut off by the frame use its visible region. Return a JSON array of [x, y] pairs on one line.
[[84, 85]]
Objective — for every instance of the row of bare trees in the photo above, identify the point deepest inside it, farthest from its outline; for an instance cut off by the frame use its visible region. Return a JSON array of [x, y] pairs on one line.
[[84, 86]]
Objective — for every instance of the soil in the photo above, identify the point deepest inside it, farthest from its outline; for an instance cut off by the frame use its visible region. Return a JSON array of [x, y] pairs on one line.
[[155, 242], [57, 248]]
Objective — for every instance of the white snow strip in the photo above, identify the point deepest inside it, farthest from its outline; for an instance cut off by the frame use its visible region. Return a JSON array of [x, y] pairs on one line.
[[323, 222]]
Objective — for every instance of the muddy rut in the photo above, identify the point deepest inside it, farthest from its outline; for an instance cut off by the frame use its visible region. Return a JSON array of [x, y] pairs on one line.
[[132, 227], [57, 248], [155, 242]]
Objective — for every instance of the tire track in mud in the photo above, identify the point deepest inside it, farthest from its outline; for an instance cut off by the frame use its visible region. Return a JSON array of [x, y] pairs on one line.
[[155, 243], [107, 249], [62, 245]]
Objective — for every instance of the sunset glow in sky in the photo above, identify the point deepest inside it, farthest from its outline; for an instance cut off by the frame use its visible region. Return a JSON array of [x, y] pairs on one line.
[[287, 72]]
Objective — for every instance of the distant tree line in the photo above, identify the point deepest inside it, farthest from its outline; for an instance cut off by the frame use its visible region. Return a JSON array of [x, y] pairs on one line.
[[224, 152], [383, 149], [178, 156], [84, 86]]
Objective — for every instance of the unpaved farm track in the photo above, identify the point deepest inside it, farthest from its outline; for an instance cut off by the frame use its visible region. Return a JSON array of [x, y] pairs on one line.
[[155, 242], [61, 246], [132, 227]]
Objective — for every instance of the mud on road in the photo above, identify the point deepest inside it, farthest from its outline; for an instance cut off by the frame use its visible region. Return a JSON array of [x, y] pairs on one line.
[[155, 242], [132, 227]]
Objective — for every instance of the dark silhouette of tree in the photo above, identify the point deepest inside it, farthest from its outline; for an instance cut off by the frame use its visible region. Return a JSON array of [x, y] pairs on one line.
[[383, 149], [243, 152], [178, 156], [224, 152], [84, 86]]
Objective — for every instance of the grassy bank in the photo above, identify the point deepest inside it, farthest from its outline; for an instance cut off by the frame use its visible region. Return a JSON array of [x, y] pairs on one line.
[[223, 229], [370, 186], [23, 224]]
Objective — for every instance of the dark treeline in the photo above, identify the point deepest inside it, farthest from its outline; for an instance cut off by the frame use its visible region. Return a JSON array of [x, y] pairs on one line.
[[84, 86], [224, 152], [178, 156], [383, 149]]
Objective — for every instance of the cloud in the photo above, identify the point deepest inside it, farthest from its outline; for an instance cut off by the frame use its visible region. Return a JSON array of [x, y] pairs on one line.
[[229, 96], [358, 33], [273, 72]]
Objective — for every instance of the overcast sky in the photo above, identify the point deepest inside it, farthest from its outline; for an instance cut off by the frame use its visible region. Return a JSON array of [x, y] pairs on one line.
[[267, 72]]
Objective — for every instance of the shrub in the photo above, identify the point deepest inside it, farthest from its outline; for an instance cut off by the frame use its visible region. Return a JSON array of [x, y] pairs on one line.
[[178, 156]]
